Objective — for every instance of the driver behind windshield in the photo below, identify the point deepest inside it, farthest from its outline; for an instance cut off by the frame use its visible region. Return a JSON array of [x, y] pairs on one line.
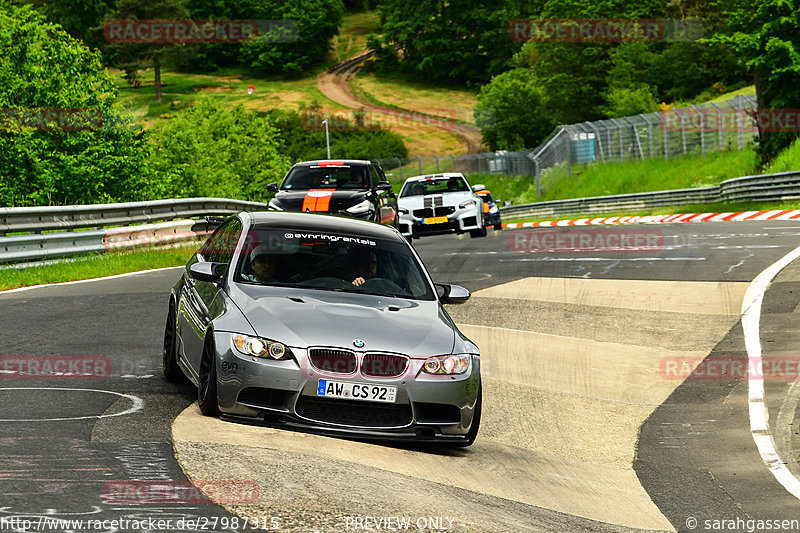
[[364, 265], [263, 265]]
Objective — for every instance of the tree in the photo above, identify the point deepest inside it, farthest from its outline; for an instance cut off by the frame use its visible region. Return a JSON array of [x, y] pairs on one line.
[[317, 21], [466, 41], [766, 36], [130, 56], [62, 139], [213, 150], [511, 112], [82, 20]]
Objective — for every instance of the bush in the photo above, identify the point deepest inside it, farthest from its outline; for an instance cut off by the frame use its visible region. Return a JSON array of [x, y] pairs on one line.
[[47, 76], [304, 135], [212, 150]]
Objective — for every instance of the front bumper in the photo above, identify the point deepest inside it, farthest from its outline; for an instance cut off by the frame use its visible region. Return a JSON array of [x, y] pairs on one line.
[[283, 394], [461, 221]]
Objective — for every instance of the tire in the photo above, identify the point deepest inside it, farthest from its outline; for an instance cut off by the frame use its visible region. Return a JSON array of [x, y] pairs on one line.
[[498, 226], [207, 382], [172, 372], [472, 434], [480, 232]]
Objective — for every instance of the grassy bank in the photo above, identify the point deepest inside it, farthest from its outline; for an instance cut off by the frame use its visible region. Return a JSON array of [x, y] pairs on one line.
[[93, 266], [628, 177]]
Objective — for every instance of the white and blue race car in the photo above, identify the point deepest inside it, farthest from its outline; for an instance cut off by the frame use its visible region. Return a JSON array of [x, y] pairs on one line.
[[440, 203]]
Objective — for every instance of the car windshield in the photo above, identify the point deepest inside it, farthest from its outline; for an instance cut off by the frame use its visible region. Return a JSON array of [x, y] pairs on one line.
[[434, 186], [332, 261], [486, 195], [326, 177]]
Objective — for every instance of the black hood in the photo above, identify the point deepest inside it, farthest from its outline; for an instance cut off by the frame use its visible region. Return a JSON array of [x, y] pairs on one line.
[[319, 201]]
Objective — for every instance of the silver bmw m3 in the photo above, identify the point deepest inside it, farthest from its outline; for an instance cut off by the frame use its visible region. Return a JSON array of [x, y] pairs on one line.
[[323, 324]]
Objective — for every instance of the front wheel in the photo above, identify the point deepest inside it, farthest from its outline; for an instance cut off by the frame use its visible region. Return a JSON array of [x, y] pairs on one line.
[[207, 384], [498, 226], [172, 371], [472, 434]]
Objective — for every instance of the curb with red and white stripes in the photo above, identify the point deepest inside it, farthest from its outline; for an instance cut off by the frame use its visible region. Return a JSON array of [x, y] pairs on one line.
[[779, 214]]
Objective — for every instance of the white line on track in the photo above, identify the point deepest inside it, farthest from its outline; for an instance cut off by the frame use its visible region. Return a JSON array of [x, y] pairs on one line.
[[627, 259], [88, 280], [759, 415], [136, 404]]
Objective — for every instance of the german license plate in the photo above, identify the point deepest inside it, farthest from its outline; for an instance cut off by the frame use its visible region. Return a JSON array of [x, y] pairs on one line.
[[434, 220], [356, 391]]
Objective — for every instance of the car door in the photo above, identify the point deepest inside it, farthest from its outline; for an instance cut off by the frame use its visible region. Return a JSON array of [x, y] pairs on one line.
[[199, 301], [387, 201]]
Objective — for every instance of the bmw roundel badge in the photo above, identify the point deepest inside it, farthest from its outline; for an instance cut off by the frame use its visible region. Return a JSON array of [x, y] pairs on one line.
[[358, 343]]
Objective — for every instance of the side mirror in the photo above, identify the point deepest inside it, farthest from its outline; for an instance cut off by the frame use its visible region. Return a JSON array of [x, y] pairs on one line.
[[453, 294], [205, 271], [383, 186], [498, 201], [272, 187]]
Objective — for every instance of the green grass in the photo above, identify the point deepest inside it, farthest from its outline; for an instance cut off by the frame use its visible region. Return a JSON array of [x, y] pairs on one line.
[[749, 90], [94, 266], [352, 38], [403, 94], [644, 176], [181, 91]]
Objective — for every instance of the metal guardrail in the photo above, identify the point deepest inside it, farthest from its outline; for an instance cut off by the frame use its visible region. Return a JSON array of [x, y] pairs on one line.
[[71, 217], [47, 232], [763, 188]]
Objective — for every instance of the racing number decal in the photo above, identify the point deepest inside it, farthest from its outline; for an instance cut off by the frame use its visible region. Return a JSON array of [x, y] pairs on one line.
[[317, 200]]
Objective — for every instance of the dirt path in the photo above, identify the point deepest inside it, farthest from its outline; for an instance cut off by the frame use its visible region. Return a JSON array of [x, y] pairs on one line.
[[335, 84]]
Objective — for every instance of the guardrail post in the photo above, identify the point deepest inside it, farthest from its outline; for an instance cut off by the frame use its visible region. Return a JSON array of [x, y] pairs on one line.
[[400, 166], [454, 162], [437, 164], [419, 160]]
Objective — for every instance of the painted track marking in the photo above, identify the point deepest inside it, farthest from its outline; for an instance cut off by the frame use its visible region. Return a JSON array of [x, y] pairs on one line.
[[759, 415]]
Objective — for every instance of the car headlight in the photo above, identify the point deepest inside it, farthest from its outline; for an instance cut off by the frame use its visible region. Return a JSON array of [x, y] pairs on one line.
[[360, 208], [259, 347], [446, 364], [493, 209], [468, 203], [273, 205]]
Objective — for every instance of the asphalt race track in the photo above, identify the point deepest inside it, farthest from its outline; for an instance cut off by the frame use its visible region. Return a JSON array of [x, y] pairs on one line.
[[586, 335]]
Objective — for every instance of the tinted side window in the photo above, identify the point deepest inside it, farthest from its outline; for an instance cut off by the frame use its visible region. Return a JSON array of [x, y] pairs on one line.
[[221, 245]]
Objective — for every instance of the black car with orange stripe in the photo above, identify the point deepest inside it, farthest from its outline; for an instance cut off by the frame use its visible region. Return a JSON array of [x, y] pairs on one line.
[[353, 188]]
